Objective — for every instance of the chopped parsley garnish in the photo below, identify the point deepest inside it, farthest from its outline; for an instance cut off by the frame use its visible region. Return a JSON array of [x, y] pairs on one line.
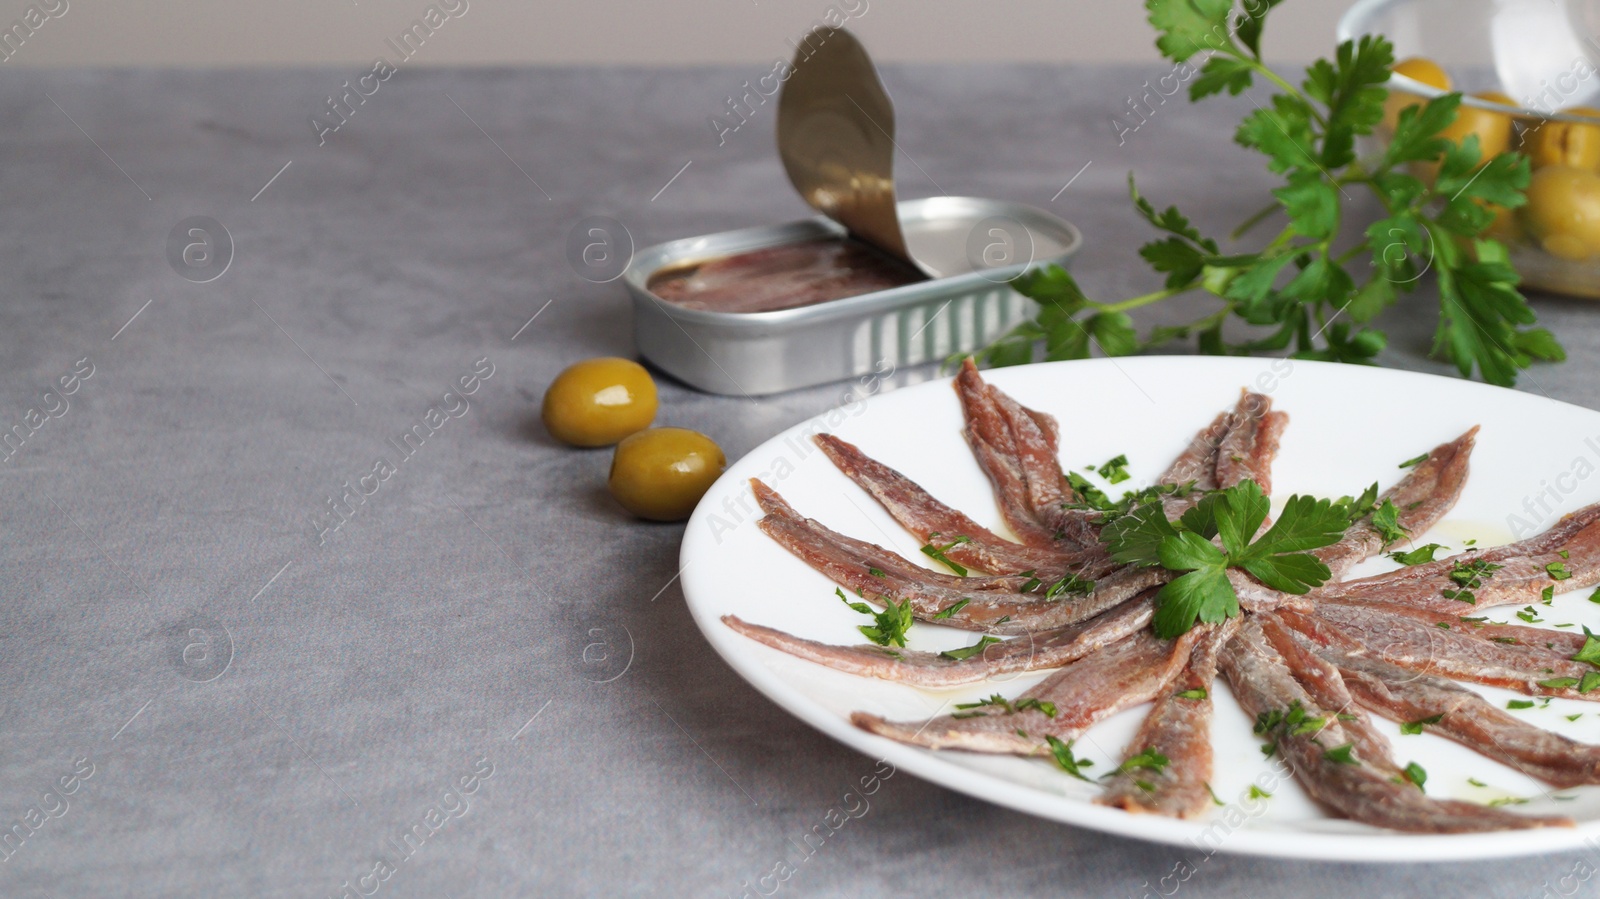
[[1009, 707], [1595, 596], [1591, 680], [953, 608], [1031, 584], [1202, 592], [1409, 463], [1415, 727], [1386, 521], [1559, 683], [1590, 652], [876, 572], [1476, 782], [1519, 704], [1089, 496], [937, 553], [889, 626], [1071, 585], [1258, 793], [1574, 717], [1114, 471], [967, 652], [1529, 615], [1196, 693], [1557, 571], [1547, 596], [1149, 759], [1416, 775], [1469, 576], [1065, 760], [1508, 800], [1342, 755], [1214, 799], [1418, 556], [1294, 722]]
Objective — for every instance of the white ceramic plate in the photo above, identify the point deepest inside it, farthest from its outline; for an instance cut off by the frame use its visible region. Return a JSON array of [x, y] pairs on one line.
[[1348, 427]]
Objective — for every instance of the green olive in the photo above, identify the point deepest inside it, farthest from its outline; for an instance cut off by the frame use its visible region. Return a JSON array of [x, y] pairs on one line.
[[1575, 144], [1417, 69], [661, 473], [1493, 130], [1563, 211], [599, 401]]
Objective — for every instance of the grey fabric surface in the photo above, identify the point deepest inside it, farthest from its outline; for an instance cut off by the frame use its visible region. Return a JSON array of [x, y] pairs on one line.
[[440, 634]]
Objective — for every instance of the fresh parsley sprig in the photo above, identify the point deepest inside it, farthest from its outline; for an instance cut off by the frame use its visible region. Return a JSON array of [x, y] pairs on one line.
[[1230, 517], [1297, 291]]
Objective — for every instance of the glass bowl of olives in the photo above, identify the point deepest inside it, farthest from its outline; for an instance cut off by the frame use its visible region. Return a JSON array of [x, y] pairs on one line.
[[1529, 75]]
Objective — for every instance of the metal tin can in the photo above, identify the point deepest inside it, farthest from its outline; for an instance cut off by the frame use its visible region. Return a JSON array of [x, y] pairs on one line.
[[976, 245]]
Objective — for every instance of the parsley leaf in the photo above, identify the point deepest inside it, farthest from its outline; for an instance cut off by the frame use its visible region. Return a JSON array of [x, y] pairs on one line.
[[1135, 538], [1149, 759], [1386, 521], [1065, 760], [1419, 556], [1233, 515], [1415, 727], [1294, 286], [1115, 471], [967, 652], [1415, 774], [937, 553], [889, 626], [1341, 755], [1590, 651]]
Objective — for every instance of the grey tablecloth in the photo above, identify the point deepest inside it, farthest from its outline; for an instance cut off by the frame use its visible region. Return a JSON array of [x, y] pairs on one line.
[[484, 678]]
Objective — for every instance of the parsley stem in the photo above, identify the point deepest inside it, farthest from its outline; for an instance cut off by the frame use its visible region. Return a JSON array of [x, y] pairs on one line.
[[1254, 220], [1352, 253], [1288, 88], [1148, 298]]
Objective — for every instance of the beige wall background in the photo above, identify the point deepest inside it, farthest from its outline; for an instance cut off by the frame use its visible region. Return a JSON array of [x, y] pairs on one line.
[[663, 32]]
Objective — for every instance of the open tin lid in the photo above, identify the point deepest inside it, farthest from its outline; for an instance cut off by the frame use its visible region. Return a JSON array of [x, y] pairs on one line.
[[836, 140]]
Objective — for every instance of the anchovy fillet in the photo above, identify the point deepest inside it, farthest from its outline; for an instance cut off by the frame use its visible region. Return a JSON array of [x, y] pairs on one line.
[[1178, 729], [1124, 674], [1362, 789], [1422, 498], [1566, 557], [1029, 652]]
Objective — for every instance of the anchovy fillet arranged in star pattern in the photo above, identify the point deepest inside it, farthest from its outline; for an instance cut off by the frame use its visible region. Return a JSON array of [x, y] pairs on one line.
[[1566, 557], [1308, 667], [1323, 682], [1176, 740], [998, 605], [1030, 652], [1019, 457], [926, 518], [1440, 706], [1422, 498], [1119, 676], [1367, 790], [1250, 442], [1411, 639]]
